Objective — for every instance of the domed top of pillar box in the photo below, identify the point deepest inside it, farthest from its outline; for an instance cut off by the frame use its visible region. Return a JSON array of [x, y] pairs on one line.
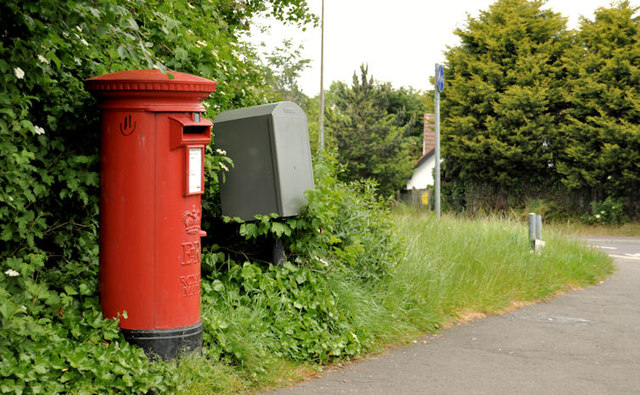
[[151, 90]]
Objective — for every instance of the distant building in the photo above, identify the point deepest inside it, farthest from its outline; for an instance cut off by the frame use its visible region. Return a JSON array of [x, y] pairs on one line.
[[422, 178]]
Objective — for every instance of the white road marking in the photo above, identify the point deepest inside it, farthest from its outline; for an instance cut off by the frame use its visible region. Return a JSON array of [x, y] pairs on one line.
[[607, 248], [627, 256]]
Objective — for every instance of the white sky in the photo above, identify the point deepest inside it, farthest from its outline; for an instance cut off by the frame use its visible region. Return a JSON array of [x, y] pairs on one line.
[[400, 40]]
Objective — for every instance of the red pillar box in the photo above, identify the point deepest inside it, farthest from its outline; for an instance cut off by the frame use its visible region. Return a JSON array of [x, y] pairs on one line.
[[151, 181]]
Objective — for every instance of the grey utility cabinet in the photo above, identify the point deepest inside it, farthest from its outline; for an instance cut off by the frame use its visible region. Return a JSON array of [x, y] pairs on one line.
[[269, 146]]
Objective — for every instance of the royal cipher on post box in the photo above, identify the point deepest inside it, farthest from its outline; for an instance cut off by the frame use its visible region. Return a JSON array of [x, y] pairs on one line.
[[151, 179]]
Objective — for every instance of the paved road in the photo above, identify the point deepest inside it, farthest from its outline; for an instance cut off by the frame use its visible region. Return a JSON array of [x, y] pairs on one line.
[[585, 342]]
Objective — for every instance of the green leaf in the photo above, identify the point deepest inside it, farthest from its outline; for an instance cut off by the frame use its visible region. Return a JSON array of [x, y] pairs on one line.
[[70, 290], [160, 66], [181, 54], [218, 286], [280, 229], [289, 266], [132, 24], [122, 51]]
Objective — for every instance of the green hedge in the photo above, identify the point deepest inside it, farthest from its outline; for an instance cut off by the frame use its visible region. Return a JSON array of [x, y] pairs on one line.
[[53, 337]]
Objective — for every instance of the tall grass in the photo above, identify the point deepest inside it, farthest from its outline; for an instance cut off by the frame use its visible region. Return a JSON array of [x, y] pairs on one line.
[[456, 265]]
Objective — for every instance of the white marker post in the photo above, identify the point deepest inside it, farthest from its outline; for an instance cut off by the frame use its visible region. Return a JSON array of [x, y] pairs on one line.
[[439, 87]]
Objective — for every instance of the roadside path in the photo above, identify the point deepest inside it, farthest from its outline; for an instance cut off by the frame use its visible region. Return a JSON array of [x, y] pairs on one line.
[[587, 341]]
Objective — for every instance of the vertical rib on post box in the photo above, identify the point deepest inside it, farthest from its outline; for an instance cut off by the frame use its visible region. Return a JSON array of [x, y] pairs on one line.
[[151, 181]]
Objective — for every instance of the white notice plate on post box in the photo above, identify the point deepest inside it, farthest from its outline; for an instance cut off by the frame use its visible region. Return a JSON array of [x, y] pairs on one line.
[[194, 170]]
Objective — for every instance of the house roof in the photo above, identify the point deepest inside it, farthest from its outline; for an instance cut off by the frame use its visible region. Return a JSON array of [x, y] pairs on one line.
[[424, 158]]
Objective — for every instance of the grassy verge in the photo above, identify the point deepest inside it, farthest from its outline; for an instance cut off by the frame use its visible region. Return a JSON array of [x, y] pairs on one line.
[[451, 268], [457, 265]]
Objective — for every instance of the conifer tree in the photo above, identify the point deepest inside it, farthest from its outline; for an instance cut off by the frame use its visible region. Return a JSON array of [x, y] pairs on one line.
[[503, 102], [371, 141], [603, 132]]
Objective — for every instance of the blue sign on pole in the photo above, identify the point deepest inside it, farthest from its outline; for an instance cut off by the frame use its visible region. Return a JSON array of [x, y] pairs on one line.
[[440, 78]]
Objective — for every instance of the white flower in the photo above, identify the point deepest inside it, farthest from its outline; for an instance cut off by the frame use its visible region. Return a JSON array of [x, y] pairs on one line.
[[23, 307], [11, 198], [597, 216], [79, 29], [224, 167], [609, 177], [83, 41], [11, 273], [601, 211], [38, 130], [221, 152], [19, 73], [201, 43], [206, 105], [43, 59]]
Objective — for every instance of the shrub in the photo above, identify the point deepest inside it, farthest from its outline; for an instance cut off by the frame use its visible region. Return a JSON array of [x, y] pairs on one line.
[[255, 311], [607, 212]]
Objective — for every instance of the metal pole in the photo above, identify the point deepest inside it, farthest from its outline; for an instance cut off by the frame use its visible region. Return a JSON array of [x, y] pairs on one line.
[[437, 127], [321, 120], [532, 229]]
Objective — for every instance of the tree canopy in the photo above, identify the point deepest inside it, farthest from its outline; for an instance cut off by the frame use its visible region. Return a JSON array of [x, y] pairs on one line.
[[501, 105], [373, 129], [531, 106], [603, 95]]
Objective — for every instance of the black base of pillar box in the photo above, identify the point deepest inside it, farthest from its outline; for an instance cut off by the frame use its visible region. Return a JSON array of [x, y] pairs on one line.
[[166, 343]]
